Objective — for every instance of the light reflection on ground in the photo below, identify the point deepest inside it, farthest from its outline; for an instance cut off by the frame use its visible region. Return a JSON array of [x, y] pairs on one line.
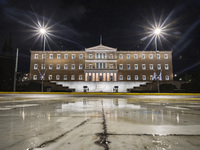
[[80, 122]]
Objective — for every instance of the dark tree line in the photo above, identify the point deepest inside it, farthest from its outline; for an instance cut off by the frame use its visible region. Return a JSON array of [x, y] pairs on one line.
[[7, 64]]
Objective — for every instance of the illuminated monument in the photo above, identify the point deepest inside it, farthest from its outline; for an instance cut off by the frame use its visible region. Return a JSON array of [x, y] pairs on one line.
[[101, 68]]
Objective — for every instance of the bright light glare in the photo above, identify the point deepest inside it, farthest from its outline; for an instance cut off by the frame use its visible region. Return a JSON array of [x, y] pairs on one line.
[[42, 30], [157, 31]]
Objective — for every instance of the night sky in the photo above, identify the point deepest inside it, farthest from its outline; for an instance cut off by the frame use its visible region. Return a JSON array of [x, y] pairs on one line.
[[78, 24]]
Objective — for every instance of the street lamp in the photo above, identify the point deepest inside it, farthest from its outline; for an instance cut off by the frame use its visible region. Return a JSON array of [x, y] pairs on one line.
[[157, 32], [43, 34]]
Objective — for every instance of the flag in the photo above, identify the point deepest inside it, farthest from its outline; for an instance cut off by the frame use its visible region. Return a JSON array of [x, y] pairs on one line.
[[154, 76], [160, 76], [42, 75]]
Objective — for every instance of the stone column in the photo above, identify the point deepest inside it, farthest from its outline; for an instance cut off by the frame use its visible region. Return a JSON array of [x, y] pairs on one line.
[[93, 76], [97, 76], [108, 76], [115, 76], [104, 76], [86, 76]]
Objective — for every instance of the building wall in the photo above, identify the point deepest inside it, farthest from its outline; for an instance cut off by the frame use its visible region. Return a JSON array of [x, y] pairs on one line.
[[124, 65]]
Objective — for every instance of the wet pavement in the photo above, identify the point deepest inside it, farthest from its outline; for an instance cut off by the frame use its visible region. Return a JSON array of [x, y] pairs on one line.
[[49, 122]]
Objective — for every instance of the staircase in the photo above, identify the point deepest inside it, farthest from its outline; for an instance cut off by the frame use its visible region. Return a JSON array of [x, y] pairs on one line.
[[148, 87]]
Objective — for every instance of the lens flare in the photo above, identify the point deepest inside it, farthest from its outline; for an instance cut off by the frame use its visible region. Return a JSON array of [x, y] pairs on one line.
[[42, 31], [157, 31]]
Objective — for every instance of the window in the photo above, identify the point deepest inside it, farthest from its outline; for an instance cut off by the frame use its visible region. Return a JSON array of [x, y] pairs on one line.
[[65, 77], [143, 77], [159, 66], [58, 56], [50, 77], [65, 66], [136, 77], [80, 66], [57, 77], [65, 56], [81, 56], [73, 66], [158, 56], [111, 56], [58, 66], [128, 56], [167, 77], [34, 77], [135, 56], [90, 66], [97, 65], [128, 66], [120, 56], [166, 56], [143, 56], [104, 55], [50, 67], [80, 77], [97, 55], [136, 66], [151, 77], [72, 77], [90, 56], [35, 66], [121, 77], [43, 56], [100, 55], [151, 66], [36, 56], [143, 66], [50, 56], [166, 66], [104, 65], [120, 66], [128, 77], [43, 66], [150, 56], [73, 56], [111, 66]]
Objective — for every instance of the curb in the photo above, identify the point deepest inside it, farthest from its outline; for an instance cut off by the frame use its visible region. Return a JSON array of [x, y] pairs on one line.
[[91, 93]]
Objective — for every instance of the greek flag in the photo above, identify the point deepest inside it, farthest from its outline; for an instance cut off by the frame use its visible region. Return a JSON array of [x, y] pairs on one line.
[[160, 76], [42, 75], [154, 76]]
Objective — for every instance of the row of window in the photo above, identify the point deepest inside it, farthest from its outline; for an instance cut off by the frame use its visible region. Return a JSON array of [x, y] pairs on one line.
[[59, 56], [128, 67], [101, 56], [58, 66], [143, 77], [58, 77], [81, 78], [143, 56], [103, 66]]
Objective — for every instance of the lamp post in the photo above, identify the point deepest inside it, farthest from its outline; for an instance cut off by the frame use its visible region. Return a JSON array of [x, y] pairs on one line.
[[157, 32], [43, 33]]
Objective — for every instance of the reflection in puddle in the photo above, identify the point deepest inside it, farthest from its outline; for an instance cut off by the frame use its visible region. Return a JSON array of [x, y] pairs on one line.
[[120, 108]]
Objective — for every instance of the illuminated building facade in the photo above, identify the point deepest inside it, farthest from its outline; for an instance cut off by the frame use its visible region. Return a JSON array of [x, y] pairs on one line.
[[101, 64]]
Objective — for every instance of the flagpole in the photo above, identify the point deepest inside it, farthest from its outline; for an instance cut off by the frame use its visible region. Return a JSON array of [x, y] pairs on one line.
[[15, 75], [158, 84], [42, 77]]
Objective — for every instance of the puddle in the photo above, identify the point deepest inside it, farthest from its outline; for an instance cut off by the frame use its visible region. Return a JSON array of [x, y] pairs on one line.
[[9, 107]]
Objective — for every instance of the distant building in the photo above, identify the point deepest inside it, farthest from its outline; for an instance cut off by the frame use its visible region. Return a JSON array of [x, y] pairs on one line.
[[100, 66]]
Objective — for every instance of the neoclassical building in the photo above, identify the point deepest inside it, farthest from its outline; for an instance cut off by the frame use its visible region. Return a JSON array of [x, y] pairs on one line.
[[100, 66]]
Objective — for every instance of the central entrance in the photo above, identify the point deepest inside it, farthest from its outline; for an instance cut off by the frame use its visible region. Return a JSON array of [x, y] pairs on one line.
[[101, 75]]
